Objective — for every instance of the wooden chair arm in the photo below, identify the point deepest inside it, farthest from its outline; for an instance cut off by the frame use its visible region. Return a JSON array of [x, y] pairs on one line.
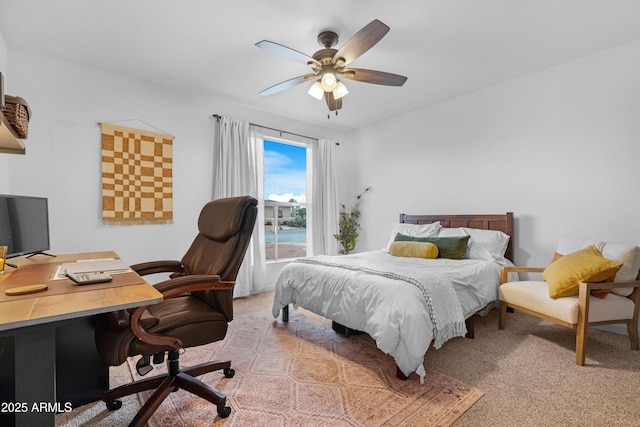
[[504, 271], [152, 267], [172, 289], [608, 285]]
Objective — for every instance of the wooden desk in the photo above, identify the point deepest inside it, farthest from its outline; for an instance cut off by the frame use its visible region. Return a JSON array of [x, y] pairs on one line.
[[32, 321]]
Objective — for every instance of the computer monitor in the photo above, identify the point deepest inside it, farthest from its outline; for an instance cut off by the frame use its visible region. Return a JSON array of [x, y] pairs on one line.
[[24, 224]]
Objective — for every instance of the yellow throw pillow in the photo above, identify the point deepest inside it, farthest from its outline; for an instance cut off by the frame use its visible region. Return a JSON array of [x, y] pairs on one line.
[[599, 293], [414, 249], [586, 265]]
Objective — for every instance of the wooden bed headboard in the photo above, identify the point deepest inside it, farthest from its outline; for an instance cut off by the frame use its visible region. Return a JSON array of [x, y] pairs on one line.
[[500, 222]]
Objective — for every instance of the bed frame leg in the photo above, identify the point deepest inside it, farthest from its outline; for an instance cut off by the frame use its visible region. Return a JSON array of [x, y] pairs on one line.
[[285, 313], [400, 374], [470, 327]]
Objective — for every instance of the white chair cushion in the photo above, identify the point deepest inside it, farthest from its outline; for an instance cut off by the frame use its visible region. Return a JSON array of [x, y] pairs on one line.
[[534, 295]]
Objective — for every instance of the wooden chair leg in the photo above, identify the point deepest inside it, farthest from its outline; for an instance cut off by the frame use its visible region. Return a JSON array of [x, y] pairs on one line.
[[583, 323], [503, 315], [632, 331], [581, 344]]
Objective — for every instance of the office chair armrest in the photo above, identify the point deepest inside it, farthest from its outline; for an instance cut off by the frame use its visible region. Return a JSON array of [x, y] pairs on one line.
[[152, 267], [212, 280], [504, 272], [135, 323], [180, 286]]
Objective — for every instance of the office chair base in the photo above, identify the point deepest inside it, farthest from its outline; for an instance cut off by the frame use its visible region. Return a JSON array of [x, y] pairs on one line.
[[165, 384]]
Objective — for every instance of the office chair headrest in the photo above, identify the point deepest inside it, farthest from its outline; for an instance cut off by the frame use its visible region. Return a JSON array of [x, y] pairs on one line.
[[222, 218]]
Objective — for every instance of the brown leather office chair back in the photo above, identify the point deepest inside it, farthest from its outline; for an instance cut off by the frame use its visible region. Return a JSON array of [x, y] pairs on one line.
[[225, 227], [197, 306]]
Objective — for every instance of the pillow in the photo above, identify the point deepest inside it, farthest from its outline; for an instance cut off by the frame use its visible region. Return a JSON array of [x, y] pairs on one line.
[[450, 232], [599, 293], [414, 230], [628, 255], [479, 245], [566, 245], [586, 265], [448, 247], [494, 241], [414, 249]]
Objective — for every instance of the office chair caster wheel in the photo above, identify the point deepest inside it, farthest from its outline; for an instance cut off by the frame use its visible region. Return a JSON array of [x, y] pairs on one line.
[[114, 405], [224, 411], [229, 372]]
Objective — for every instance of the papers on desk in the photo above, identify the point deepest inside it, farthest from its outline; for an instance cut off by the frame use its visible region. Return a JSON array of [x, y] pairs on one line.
[[102, 265]]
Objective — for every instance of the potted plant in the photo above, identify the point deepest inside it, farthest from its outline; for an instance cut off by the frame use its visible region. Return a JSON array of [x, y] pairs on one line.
[[349, 225]]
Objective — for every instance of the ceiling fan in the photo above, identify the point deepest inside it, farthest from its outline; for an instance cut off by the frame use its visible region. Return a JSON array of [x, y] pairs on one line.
[[328, 65]]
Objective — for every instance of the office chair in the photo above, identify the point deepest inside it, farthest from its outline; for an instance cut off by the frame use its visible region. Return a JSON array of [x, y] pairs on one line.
[[196, 308]]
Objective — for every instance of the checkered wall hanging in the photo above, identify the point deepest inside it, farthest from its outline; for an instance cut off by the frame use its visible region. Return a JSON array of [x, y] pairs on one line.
[[137, 182]]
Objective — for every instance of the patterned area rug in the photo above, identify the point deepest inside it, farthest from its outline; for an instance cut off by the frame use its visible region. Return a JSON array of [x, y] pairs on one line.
[[302, 373]]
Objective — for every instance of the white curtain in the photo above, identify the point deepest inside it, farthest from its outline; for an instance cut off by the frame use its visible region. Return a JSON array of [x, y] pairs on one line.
[[324, 207], [238, 171]]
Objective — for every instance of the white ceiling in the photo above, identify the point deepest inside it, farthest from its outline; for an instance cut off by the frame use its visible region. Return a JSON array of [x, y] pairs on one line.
[[446, 48]]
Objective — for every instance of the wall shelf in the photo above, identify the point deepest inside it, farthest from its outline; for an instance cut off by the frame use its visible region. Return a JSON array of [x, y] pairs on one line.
[[9, 141]]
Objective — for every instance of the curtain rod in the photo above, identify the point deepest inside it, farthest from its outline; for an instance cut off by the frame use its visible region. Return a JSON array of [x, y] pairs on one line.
[[218, 117]]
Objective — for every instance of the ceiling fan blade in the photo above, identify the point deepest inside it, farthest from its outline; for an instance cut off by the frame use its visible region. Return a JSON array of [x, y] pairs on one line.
[[287, 52], [287, 84], [332, 103], [361, 42], [375, 77]]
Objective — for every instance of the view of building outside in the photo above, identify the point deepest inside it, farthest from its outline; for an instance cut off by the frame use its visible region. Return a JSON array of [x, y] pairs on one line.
[[285, 211]]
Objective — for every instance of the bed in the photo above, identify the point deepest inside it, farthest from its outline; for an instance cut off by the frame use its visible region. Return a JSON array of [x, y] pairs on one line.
[[406, 303]]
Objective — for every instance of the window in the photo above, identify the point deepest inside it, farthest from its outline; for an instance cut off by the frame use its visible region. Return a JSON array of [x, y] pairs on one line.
[[285, 204]]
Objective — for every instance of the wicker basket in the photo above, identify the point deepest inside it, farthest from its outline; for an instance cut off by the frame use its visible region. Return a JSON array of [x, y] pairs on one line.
[[17, 112]]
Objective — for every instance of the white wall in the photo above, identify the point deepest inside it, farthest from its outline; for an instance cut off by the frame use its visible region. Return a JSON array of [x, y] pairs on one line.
[[63, 151], [560, 148], [4, 173]]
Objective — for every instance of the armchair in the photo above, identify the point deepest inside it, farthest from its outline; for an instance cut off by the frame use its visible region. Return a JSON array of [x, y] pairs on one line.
[[196, 308], [620, 304]]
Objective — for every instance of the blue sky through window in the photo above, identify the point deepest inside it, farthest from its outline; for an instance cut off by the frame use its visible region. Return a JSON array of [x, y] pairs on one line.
[[285, 172]]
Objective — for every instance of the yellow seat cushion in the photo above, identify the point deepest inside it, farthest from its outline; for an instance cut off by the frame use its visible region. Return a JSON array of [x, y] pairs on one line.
[[414, 249], [586, 265]]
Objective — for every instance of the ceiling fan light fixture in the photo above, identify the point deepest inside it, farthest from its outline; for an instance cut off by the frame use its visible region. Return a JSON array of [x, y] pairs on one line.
[[316, 90], [329, 82], [340, 90]]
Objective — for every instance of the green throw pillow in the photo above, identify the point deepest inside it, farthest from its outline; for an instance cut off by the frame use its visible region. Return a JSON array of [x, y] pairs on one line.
[[448, 247]]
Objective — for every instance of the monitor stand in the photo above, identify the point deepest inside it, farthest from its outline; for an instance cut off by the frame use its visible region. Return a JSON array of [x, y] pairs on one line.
[[39, 253]]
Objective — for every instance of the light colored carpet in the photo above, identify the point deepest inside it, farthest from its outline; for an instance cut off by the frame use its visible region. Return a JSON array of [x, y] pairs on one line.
[[303, 373], [527, 372]]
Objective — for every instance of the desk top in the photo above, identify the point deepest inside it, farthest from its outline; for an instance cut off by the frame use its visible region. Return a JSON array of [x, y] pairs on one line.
[[63, 300]]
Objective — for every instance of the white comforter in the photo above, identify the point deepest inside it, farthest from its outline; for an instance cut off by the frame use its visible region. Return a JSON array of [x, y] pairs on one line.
[[393, 311]]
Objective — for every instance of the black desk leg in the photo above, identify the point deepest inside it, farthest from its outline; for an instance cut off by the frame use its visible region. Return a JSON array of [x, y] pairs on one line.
[[35, 358]]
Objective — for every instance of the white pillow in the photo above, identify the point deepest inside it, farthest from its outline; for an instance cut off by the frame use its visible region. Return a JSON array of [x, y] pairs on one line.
[[475, 249], [494, 241], [450, 232], [567, 245], [413, 230], [628, 255]]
